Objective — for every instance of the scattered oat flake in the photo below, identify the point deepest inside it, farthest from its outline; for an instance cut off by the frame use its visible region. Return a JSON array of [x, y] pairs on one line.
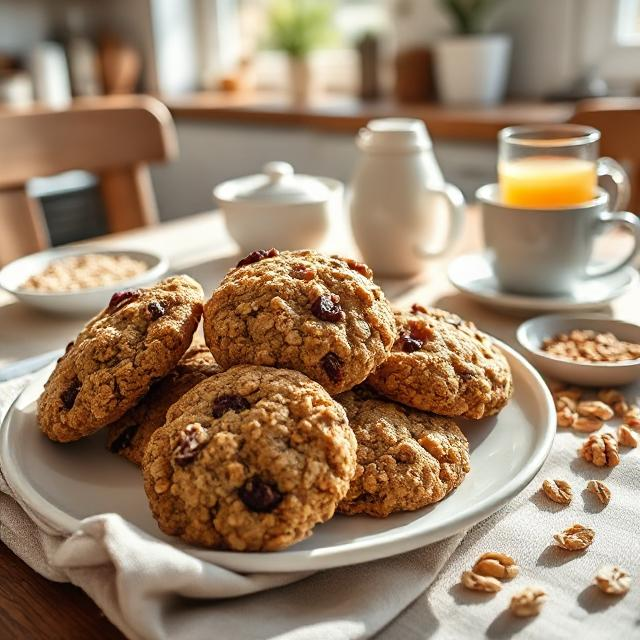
[[528, 602], [600, 490], [558, 490], [575, 538], [496, 565], [476, 582], [613, 580], [627, 438]]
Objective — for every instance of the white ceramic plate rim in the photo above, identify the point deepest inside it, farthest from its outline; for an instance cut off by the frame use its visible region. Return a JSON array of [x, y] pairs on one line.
[[330, 556], [522, 336], [515, 301], [158, 265]]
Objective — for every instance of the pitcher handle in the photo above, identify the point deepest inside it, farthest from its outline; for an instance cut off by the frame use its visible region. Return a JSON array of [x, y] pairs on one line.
[[455, 204]]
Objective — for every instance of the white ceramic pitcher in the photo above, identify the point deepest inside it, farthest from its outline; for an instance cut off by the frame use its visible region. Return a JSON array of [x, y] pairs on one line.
[[400, 203]]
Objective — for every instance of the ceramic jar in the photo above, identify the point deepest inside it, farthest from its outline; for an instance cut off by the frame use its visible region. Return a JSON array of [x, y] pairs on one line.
[[400, 204]]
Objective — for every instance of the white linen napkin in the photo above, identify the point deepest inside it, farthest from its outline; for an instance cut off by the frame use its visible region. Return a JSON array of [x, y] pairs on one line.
[[151, 590]]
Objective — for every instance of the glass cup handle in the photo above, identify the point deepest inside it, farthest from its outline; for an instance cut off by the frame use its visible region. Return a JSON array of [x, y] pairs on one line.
[[620, 194], [632, 222], [455, 203]]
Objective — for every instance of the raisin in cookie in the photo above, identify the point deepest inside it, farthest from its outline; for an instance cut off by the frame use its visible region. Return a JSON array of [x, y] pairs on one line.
[[130, 435], [443, 364], [132, 343], [407, 458], [250, 459], [304, 311]]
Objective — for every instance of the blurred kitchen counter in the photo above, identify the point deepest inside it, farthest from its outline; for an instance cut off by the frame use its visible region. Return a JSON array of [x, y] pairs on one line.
[[345, 114]]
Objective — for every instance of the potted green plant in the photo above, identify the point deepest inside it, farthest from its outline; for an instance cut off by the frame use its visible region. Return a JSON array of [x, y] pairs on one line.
[[297, 27], [472, 66]]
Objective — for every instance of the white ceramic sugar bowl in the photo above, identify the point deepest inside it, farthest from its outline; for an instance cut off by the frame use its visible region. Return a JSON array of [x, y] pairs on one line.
[[278, 208]]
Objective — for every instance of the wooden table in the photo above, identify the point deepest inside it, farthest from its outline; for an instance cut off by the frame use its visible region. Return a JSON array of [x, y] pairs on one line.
[[32, 607]]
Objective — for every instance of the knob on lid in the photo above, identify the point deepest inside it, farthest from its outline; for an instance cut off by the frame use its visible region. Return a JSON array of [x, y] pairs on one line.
[[279, 183]]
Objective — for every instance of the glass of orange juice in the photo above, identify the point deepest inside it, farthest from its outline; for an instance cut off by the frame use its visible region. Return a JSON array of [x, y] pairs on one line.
[[554, 166]]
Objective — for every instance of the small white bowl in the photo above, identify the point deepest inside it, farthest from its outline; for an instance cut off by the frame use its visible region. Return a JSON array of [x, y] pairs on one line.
[[83, 302], [533, 332]]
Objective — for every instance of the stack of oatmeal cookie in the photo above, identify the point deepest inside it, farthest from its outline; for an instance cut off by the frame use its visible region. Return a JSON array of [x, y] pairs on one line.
[[311, 395]]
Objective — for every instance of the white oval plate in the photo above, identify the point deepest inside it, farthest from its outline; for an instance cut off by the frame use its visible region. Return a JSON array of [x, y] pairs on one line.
[[472, 274], [64, 483]]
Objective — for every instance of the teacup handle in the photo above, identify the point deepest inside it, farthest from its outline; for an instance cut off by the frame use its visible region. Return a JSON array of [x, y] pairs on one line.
[[630, 221], [621, 193], [455, 204]]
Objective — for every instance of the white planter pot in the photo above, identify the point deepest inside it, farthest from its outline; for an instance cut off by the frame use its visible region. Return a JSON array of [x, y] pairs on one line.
[[472, 70]]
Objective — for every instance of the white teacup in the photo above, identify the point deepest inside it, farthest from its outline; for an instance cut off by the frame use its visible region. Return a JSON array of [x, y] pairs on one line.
[[549, 251]]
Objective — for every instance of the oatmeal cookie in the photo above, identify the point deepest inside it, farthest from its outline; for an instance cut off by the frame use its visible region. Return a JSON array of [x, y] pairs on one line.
[[443, 364], [129, 435], [304, 311], [407, 459], [250, 459], [135, 341]]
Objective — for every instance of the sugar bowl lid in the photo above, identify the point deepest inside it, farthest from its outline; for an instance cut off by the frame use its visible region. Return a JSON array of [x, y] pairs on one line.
[[277, 184]]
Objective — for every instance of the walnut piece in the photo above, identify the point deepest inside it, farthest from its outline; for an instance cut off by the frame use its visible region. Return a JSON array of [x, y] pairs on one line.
[[574, 393], [601, 449], [558, 490], [587, 424], [626, 437], [613, 580], [566, 417], [594, 409], [575, 538], [476, 582], [631, 417], [600, 490], [563, 402], [496, 565], [610, 396], [528, 602]]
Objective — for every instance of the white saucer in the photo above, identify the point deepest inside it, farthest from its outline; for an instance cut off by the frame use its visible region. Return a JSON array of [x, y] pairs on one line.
[[64, 483], [473, 275]]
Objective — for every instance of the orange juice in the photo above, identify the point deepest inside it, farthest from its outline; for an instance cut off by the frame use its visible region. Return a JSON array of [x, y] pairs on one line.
[[547, 181]]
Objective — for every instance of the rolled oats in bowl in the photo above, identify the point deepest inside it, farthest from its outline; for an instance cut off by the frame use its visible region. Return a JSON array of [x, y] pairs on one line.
[[85, 271]]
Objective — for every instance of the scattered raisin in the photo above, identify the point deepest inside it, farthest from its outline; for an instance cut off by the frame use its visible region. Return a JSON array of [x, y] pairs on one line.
[[332, 366], [418, 308], [256, 256], [408, 343], [124, 438], [229, 403], [156, 310], [193, 438], [120, 298], [70, 394], [328, 308], [259, 496]]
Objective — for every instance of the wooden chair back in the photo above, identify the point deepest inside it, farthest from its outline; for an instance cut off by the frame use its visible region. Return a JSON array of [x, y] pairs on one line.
[[618, 119], [114, 137]]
